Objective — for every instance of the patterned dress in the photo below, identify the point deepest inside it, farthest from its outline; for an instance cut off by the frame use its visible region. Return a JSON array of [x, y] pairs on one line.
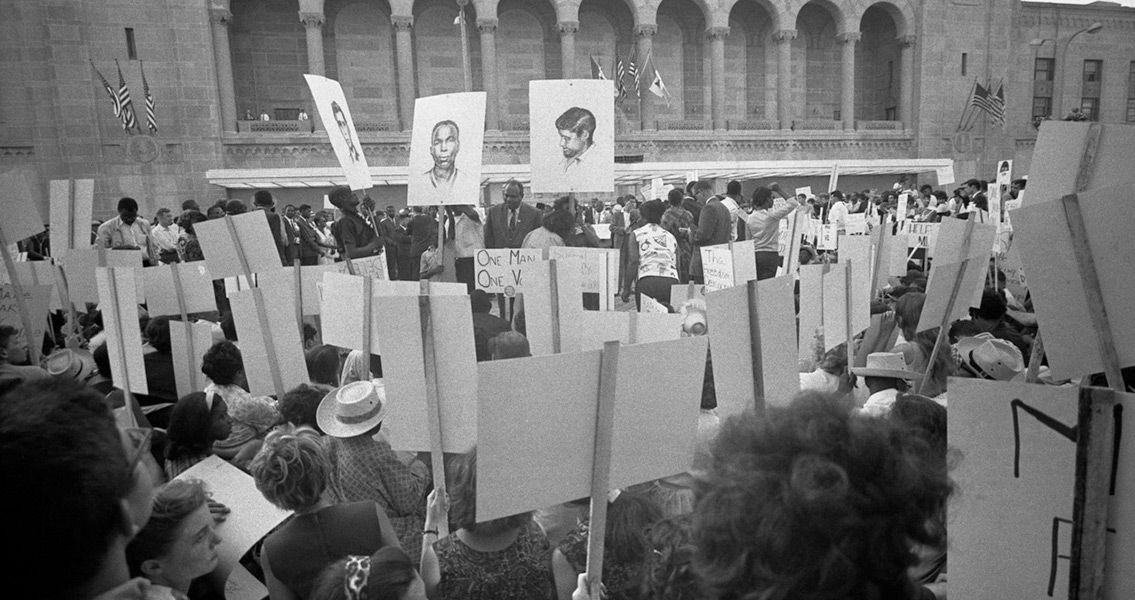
[[622, 580], [520, 572]]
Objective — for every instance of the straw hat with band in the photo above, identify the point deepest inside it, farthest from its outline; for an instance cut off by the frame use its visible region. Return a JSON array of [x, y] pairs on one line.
[[886, 364], [66, 362], [990, 357], [352, 409]]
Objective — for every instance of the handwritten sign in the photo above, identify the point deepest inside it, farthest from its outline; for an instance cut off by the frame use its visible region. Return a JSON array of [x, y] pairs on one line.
[[501, 271], [36, 272], [727, 265], [920, 235], [945, 174], [828, 237], [857, 224], [36, 299], [806, 191], [599, 269]]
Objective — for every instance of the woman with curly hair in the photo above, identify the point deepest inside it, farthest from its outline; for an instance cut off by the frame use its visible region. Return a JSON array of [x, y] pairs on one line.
[[178, 545], [502, 559], [811, 502], [292, 470], [667, 573]]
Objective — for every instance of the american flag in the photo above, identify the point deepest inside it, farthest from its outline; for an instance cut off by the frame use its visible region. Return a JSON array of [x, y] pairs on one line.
[[109, 91], [632, 71], [620, 73], [127, 114], [991, 102], [151, 120]]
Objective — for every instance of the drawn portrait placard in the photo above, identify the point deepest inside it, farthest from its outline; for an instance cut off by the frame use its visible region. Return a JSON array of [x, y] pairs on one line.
[[336, 116], [572, 135], [446, 149]]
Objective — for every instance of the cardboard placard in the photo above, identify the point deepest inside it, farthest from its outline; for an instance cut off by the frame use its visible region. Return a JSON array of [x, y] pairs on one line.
[[71, 206], [195, 290], [727, 265], [186, 367], [941, 285], [79, 267], [684, 292], [36, 298], [311, 280], [336, 116], [835, 305], [406, 425], [446, 149], [553, 308], [1014, 271], [21, 212], [856, 224], [580, 156], [251, 517], [1010, 519], [921, 234], [254, 236], [811, 308], [342, 299], [951, 233], [1055, 168], [732, 343], [599, 270], [374, 267], [945, 174], [271, 348], [501, 271], [1062, 307], [36, 272], [857, 250], [652, 306], [828, 235], [119, 304], [548, 461], [599, 327], [806, 191]]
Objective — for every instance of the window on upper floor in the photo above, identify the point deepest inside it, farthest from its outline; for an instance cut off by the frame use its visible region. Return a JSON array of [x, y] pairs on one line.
[[1044, 69]]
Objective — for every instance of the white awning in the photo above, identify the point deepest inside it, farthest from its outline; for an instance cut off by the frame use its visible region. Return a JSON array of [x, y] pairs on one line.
[[625, 173]]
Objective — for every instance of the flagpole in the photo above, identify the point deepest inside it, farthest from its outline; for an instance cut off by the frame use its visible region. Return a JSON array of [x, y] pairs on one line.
[[465, 46], [969, 105]]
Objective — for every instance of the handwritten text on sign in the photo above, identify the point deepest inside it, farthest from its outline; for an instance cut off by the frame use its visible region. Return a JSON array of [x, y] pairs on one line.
[[501, 271], [919, 234]]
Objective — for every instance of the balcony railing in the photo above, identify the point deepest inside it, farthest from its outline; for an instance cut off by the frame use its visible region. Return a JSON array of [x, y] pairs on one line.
[[816, 124], [752, 124], [275, 126], [879, 125]]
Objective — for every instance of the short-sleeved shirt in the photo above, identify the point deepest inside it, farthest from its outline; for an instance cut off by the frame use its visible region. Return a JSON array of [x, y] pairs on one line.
[[657, 252], [520, 572], [354, 230]]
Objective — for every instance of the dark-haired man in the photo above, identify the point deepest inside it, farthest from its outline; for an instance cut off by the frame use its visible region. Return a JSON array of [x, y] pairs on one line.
[[355, 236], [714, 227], [128, 232], [577, 135], [13, 355], [308, 240], [263, 200]]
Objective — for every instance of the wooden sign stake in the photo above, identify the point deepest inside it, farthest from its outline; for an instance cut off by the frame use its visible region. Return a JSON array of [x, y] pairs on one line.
[[433, 411], [755, 350], [942, 328], [553, 283], [847, 302], [116, 307], [297, 281], [65, 298], [601, 463], [881, 251], [261, 312], [192, 352], [1089, 511], [18, 290]]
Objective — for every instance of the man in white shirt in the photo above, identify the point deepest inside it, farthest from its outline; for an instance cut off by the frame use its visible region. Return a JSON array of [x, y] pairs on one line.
[[468, 236], [732, 201], [128, 232], [837, 214], [166, 233], [885, 376]]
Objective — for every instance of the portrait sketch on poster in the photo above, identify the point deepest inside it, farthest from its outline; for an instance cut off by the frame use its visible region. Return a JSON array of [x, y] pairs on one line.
[[446, 149], [572, 135], [336, 116]]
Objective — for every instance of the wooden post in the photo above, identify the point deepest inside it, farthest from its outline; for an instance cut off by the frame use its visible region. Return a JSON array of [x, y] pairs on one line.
[[847, 302], [433, 411], [18, 290], [601, 463], [177, 287], [1089, 511], [755, 350], [877, 264], [65, 298], [261, 313], [943, 327], [128, 397], [554, 285], [297, 281]]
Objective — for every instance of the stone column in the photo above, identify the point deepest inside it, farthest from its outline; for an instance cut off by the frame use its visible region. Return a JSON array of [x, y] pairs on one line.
[[847, 88], [222, 55], [717, 75], [783, 40], [568, 29], [313, 25], [906, 94], [404, 49], [488, 28], [644, 36]]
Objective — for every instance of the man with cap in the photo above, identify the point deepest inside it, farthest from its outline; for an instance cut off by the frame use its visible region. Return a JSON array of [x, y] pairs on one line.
[[886, 376], [367, 468]]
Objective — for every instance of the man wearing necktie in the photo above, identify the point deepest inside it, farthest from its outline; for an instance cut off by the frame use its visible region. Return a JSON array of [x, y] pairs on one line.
[[508, 222]]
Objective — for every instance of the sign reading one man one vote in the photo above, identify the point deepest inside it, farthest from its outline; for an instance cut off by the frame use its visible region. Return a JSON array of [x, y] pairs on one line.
[[501, 270]]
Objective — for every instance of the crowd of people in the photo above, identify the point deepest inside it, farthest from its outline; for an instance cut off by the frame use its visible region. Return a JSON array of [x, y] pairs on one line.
[[840, 494]]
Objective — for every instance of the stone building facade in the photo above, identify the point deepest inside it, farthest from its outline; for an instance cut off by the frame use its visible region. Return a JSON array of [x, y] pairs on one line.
[[748, 79]]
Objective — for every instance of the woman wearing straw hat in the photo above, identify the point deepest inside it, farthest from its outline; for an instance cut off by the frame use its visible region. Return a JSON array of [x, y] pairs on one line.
[[885, 376], [366, 468]]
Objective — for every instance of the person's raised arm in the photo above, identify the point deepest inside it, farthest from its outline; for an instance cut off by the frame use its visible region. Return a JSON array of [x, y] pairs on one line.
[[436, 512], [563, 574]]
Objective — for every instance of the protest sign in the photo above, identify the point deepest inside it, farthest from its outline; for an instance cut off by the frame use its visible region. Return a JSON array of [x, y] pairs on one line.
[[178, 288], [889, 257], [1014, 271], [945, 174], [1011, 522], [836, 310], [21, 212], [857, 250], [921, 235], [71, 206], [811, 308], [571, 135], [952, 234], [446, 147], [599, 271], [269, 339], [36, 298], [311, 280], [727, 265], [343, 302], [857, 224], [549, 460], [950, 292], [903, 207], [552, 306], [37, 272], [231, 242], [501, 271], [599, 327], [749, 328], [250, 516], [1056, 263], [336, 116], [188, 343], [650, 305], [806, 191], [827, 237], [79, 266], [1056, 169], [119, 306], [684, 292]]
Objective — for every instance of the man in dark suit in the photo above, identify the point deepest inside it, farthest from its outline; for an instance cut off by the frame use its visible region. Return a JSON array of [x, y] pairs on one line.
[[715, 226], [507, 223], [263, 200], [386, 227], [423, 236], [308, 240], [402, 241], [292, 235]]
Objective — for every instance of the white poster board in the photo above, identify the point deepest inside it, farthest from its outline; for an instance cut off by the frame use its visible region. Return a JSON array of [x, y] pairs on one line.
[[446, 149], [572, 135], [599, 270], [727, 265], [71, 206], [336, 115], [501, 270]]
